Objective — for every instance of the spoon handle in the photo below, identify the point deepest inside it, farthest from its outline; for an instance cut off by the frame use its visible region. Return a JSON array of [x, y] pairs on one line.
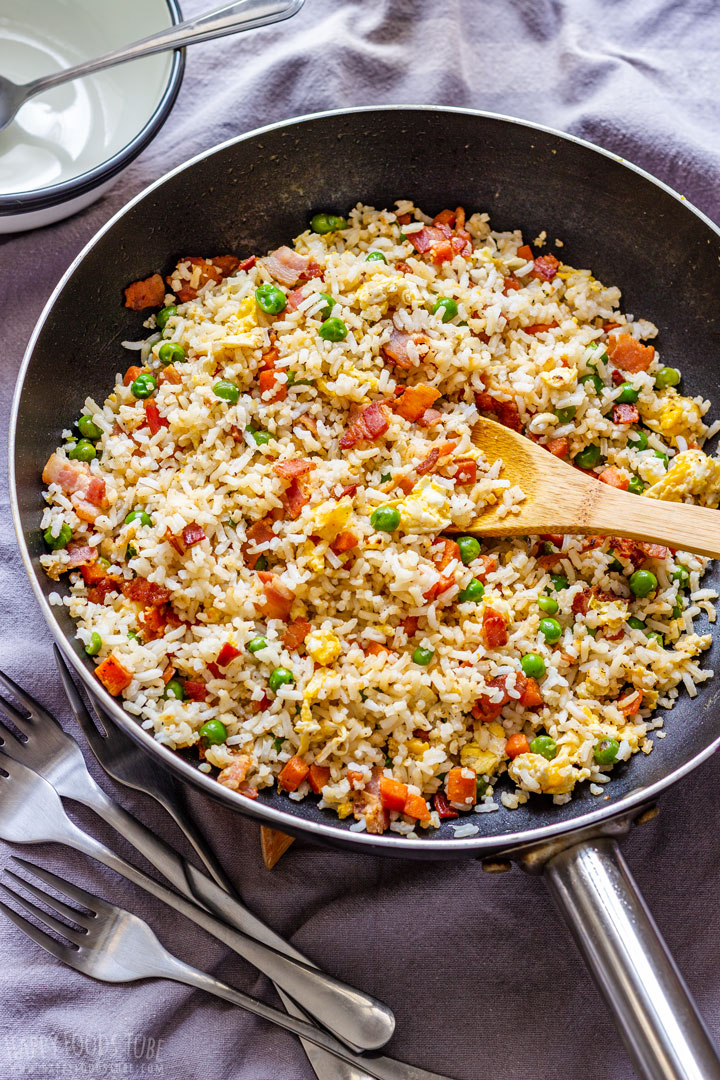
[[244, 15]]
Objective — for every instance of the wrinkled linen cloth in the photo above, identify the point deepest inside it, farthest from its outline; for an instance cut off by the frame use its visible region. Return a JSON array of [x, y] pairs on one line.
[[480, 971]]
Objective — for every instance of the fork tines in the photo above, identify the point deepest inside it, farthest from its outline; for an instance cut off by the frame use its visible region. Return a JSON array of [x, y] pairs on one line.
[[76, 935]]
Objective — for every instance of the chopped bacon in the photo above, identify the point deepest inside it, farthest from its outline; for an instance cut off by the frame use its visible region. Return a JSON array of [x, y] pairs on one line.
[[615, 478], [410, 625], [403, 267], [396, 348], [625, 414], [195, 690], [637, 551], [628, 706], [403, 219], [86, 491], [247, 264], [80, 554], [538, 328], [308, 422], [344, 541], [214, 670], [260, 532], [428, 463], [581, 601], [430, 418], [149, 292], [558, 447], [506, 412], [296, 633], [484, 565], [552, 558], [414, 400], [293, 467], [295, 298], [312, 270], [215, 269], [608, 326], [98, 592], [227, 654], [511, 284], [154, 419], [525, 252], [248, 791], [286, 265], [653, 551], [278, 598], [375, 648], [627, 353], [617, 376], [494, 628], [442, 557], [546, 267], [234, 774], [295, 498], [440, 242], [443, 807], [370, 423], [131, 374], [350, 491], [155, 620], [192, 534], [445, 217], [367, 804], [267, 380], [530, 697], [114, 677], [465, 471], [262, 705], [145, 592]]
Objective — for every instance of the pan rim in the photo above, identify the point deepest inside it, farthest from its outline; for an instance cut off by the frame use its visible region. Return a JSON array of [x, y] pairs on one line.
[[388, 844]]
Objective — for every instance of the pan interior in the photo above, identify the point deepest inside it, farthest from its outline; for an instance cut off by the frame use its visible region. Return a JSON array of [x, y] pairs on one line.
[[258, 192]]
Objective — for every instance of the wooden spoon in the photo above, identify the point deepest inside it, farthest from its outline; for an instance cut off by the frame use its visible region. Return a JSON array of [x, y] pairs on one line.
[[562, 499]]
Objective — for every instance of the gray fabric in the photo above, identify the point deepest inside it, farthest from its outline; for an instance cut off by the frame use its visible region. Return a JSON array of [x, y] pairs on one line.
[[481, 974]]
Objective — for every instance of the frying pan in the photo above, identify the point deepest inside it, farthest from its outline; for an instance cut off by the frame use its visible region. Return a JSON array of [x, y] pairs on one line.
[[254, 193]]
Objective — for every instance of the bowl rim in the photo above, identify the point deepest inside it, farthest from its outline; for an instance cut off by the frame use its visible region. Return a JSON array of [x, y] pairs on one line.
[[328, 832], [22, 202]]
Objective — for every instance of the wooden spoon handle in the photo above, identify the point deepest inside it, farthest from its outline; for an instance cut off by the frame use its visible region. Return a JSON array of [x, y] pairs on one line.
[[679, 525]]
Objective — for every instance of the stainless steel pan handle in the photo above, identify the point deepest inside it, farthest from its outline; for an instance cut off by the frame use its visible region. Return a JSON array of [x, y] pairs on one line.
[[630, 963]]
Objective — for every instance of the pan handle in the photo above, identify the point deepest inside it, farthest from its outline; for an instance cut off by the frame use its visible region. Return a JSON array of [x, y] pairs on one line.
[[630, 963]]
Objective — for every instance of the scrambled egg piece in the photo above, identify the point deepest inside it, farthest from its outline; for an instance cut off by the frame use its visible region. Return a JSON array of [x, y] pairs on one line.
[[611, 614], [691, 473], [671, 416], [426, 508], [323, 646], [533, 772], [559, 377], [305, 726], [330, 518], [482, 761], [375, 294]]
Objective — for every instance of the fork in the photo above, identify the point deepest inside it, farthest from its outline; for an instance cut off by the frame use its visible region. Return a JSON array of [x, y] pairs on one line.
[[31, 813], [113, 945], [123, 760]]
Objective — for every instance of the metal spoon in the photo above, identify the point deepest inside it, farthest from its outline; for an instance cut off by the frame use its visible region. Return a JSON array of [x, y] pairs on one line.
[[230, 18]]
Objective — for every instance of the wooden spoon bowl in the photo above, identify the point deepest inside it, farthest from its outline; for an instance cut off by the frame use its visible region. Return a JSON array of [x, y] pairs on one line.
[[563, 499]]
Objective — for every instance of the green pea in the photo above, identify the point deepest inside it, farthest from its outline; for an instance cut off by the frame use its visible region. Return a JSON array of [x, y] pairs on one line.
[[261, 562], [171, 353], [281, 676], [174, 689], [262, 438], [88, 429], [213, 732], [681, 574], [376, 256], [559, 582], [636, 624], [138, 515], [161, 319], [333, 329], [256, 644], [548, 604], [667, 376], [94, 645], [481, 787], [533, 665], [599, 348], [636, 485], [545, 746], [606, 751], [638, 440], [143, 386], [589, 457], [628, 394], [330, 302], [469, 549], [447, 306], [567, 414], [663, 457], [63, 538], [82, 451], [326, 223], [385, 519], [593, 380], [270, 299], [551, 630], [422, 657], [228, 391], [677, 610], [472, 593], [643, 582], [653, 635]]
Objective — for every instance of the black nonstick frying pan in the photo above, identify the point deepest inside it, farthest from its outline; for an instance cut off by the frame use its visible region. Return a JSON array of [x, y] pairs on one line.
[[257, 192]]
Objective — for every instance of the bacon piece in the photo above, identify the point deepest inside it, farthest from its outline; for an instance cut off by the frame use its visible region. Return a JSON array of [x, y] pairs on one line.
[[442, 558], [296, 633], [410, 625], [260, 532], [295, 498], [86, 491], [113, 675], [145, 592], [267, 380], [192, 534], [486, 710], [538, 328], [154, 621], [445, 217], [403, 267], [227, 654], [511, 284], [93, 572], [608, 326], [428, 463], [494, 628], [615, 478], [628, 354], [286, 265], [506, 412], [465, 471], [295, 298], [312, 270], [154, 420], [430, 418], [443, 807], [308, 422], [293, 467], [625, 414], [367, 804], [558, 447], [581, 601], [653, 551], [530, 698], [637, 551], [149, 292], [215, 269], [99, 593], [350, 491], [344, 541], [375, 648], [546, 267], [370, 423], [525, 252], [414, 401], [396, 348], [195, 690], [278, 598], [234, 774], [80, 553], [247, 264]]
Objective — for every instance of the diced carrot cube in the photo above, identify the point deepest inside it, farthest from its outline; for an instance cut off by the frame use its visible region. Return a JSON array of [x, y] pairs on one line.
[[318, 777], [293, 774], [393, 794], [416, 807], [462, 789], [114, 677]]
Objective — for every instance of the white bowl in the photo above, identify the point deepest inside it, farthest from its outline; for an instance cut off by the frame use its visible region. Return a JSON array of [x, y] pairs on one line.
[[68, 145]]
